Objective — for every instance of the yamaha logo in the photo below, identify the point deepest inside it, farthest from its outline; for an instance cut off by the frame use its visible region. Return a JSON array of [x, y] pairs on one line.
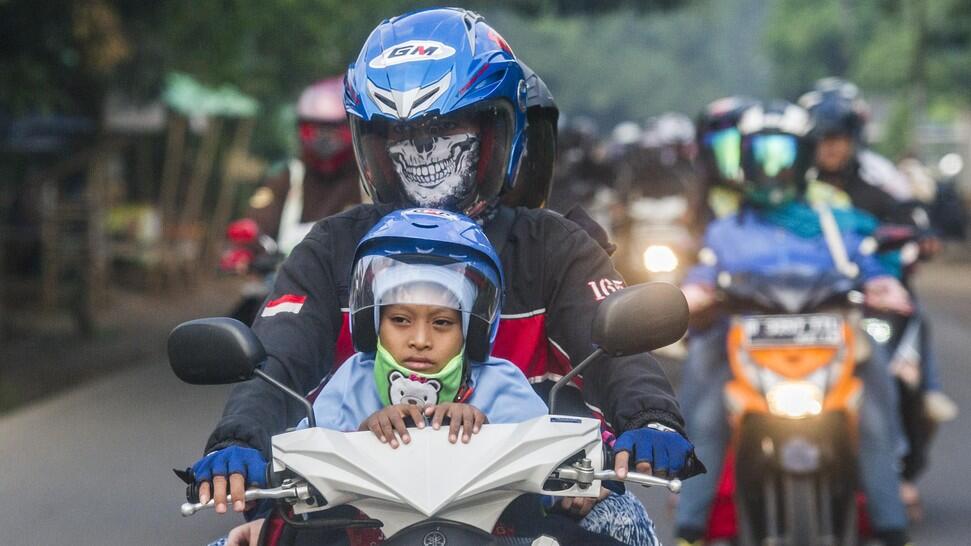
[[434, 538], [412, 51]]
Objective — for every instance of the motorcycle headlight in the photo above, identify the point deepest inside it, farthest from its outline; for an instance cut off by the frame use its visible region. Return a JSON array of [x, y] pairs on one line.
[[660, 259], [879, 330], [795, 399]]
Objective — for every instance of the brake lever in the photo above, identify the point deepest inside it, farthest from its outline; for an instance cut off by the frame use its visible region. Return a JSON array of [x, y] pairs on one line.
[[284, 492], [583, 473], [673, 485]]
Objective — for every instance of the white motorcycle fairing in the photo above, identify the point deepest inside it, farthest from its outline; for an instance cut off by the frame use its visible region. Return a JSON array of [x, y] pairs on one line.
[[430, 477]]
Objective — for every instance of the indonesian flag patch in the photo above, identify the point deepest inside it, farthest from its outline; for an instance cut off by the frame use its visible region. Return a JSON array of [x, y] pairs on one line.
[[287, 303]]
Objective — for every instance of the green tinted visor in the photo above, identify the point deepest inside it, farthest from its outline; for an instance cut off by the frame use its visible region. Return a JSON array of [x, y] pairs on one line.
[[725, 146], [774, 154]]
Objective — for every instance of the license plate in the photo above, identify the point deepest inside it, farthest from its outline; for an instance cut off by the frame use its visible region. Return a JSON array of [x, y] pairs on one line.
[[803, 330]]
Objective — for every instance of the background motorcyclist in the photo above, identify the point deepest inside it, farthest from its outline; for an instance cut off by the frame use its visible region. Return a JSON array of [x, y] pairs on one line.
[[654, 183], [450, 134], [717, 193], [871, 181], [321, 182], [775, 231]]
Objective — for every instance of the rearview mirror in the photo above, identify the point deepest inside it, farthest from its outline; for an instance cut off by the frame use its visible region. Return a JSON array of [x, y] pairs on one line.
[[640, 318], [214, 351]]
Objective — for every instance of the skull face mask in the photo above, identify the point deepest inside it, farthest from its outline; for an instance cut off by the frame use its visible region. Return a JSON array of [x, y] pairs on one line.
[[436, 171]]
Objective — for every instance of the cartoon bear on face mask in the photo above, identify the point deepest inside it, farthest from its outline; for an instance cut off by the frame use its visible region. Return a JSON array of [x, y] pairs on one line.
[[405, 390]]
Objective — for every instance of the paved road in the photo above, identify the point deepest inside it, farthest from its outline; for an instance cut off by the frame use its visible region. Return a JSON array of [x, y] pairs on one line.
[[93, 466]]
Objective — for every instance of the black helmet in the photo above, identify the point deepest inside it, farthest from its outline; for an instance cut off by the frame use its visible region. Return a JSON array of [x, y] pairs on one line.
[[718, 138], [535, 179], [775, 153], [836, 107]]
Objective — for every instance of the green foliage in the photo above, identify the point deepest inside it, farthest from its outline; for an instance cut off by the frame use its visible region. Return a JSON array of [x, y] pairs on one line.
[[884, 45], [631, 65]]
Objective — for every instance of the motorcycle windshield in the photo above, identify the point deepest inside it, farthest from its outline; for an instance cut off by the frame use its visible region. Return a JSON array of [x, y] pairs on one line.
[[786, 292]]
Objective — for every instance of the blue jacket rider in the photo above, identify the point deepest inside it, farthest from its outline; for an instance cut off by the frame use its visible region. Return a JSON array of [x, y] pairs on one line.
[[775, 233]]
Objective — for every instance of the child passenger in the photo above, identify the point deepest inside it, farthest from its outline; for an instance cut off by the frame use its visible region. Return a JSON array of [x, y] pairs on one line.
[[426, 287]]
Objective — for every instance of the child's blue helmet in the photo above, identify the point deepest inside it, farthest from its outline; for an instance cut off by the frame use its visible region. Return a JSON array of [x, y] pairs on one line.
[[437, 106], [445, 251]]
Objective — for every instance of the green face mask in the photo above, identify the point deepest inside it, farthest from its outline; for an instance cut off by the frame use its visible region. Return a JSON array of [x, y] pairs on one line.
[[399, 385]]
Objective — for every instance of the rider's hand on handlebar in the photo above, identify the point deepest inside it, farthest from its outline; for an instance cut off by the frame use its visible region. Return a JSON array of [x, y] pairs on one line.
[[887, 294], [699, 297], [247, 534], [655, 449], [387, 422], [462, 416], [242, 464]]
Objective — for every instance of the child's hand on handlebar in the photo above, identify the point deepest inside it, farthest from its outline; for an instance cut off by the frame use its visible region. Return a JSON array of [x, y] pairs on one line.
[[462, 416], [388, 422]]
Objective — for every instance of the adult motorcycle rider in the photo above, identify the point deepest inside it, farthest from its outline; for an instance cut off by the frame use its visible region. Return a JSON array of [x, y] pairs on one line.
[[772, 232], [718, 192], [438, 120], [321, 182]]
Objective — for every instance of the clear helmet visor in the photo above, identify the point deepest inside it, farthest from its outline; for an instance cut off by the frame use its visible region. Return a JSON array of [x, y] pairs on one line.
[[423, 280], [447, 162]]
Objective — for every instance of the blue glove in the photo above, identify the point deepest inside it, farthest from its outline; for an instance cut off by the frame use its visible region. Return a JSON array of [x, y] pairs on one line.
[[665, 449], [232, 460]]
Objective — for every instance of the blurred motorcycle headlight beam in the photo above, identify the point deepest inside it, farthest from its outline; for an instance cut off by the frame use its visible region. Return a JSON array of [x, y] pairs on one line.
[[879, 330], [660, 259], [795, 399]]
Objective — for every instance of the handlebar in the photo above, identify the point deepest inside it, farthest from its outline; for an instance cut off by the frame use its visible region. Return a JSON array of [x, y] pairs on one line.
[[583, 473], [286, 492]]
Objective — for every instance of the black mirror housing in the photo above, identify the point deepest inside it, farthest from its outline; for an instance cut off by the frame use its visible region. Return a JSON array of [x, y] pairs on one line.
[[640, 318], [214, 351]]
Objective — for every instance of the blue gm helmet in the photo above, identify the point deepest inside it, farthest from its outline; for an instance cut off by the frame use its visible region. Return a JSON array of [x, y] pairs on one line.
[[430, 257], [437, 106]]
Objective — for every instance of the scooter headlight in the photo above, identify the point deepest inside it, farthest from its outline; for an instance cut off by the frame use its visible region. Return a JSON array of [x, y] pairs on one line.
[[795, 399], [879, 330], [660, 259]]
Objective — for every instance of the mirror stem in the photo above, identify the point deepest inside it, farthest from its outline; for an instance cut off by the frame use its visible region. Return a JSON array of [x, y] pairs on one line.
[[566, 378], [311, 420]]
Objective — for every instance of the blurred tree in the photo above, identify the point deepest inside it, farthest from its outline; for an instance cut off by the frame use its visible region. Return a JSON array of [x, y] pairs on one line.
[[64, 55], [629, 65], [59, 55], [587, 7], [916, 51]]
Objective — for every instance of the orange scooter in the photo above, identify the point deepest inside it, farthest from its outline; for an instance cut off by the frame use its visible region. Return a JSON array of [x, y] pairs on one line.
[[792, 402]]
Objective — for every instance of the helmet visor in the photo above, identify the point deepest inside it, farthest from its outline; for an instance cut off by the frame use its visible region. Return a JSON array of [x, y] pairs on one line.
[[324, 140], [771, 157], [771, 166], [424, 280], [448, 162], [726, 150]]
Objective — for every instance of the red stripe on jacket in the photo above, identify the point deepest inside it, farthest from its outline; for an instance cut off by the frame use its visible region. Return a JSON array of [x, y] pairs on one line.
[[287, 298]]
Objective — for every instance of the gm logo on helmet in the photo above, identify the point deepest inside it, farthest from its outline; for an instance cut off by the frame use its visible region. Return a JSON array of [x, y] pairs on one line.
[[412, 51]]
